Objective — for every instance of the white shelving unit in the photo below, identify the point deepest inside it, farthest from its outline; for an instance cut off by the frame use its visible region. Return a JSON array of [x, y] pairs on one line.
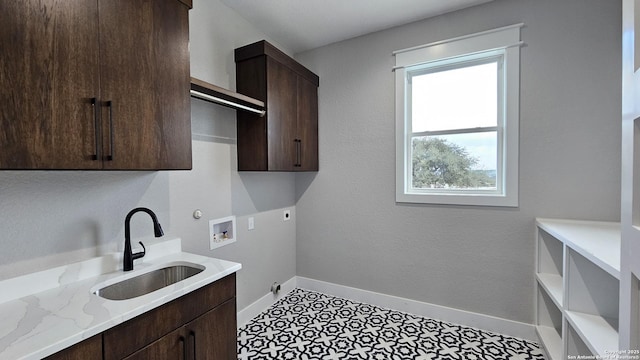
[[578, 285]]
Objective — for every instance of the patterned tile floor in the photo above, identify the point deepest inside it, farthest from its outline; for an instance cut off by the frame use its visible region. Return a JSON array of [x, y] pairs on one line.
[[307, 325]]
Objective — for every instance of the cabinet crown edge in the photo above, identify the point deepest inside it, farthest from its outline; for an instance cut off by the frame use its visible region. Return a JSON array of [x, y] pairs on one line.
[[263, 47]]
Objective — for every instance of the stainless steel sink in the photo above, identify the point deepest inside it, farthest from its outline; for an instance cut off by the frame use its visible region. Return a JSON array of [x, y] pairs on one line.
[[148, 282]]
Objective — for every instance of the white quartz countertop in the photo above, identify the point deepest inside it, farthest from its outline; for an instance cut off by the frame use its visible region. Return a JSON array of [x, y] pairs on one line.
[[45, 312]]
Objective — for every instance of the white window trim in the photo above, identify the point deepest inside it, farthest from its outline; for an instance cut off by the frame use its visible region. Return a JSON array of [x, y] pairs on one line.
[[506, 39]]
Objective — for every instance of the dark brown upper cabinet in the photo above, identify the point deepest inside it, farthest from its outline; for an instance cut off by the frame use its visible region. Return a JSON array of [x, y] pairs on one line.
[[94, 84], [286, 138]]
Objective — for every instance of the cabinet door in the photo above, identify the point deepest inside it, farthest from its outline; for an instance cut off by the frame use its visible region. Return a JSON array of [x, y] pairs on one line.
[[48, 78], [213, 335], [169, 347], [145, 84], [281, 116], [307, 125], [87, 349]]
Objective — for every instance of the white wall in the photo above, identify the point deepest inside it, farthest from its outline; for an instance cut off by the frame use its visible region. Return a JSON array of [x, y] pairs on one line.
[[267, 253], [49, 218], [351, 232]]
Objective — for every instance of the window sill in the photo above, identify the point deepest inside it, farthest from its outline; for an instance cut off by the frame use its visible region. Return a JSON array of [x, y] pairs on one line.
[[459, 199]]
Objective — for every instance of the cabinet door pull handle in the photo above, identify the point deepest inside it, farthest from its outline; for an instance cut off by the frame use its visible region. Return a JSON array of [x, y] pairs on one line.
[[192, 336], [297, 164], [299, 152], [184, 348], [96, 127], [110, 105]]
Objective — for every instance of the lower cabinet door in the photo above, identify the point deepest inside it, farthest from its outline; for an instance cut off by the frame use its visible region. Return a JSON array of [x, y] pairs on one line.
[[170, 347], [212, 336]]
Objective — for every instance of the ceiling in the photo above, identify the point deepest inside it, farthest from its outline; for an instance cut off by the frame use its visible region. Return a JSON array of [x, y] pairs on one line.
[[301, 25]]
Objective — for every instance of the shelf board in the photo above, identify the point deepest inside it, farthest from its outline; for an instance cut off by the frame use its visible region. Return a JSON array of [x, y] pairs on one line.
[[552, 284], [598, 241], [596, 332], [551, 341], [225, 97]]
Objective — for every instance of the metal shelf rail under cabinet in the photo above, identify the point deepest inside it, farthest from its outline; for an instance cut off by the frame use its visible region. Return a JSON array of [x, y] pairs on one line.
[[205, 91]]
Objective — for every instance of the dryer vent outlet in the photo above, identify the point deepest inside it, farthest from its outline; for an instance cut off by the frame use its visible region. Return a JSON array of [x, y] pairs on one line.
[[275, 288]]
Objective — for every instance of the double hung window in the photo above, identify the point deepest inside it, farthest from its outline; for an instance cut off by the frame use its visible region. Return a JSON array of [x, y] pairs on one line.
[[457, 120]]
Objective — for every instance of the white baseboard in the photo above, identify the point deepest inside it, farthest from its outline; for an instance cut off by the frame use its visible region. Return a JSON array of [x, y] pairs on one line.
[[264, 302], [461, 317]]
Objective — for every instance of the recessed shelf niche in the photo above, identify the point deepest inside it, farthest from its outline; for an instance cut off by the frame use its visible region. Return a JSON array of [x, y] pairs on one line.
[[222, 232]]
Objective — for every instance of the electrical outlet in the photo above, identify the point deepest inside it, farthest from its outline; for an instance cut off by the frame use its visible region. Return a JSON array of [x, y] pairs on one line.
[[286, 215]]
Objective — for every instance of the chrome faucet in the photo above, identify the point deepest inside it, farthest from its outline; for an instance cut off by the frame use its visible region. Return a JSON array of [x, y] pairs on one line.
[[128, 255]]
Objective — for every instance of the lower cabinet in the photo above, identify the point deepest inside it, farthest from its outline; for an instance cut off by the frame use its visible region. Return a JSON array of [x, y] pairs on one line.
[[200, 325], [207, 337], [87, 349]]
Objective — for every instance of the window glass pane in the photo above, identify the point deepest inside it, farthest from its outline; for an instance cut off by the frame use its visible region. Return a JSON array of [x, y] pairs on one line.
[[459, 161], [459, 98]]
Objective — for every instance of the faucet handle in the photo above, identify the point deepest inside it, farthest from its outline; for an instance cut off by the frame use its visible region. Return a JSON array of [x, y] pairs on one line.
[[140, 254]]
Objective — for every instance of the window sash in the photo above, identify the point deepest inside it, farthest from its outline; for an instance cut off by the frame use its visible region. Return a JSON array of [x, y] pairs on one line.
[[446, 65], [500, 177], [483, 58]]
